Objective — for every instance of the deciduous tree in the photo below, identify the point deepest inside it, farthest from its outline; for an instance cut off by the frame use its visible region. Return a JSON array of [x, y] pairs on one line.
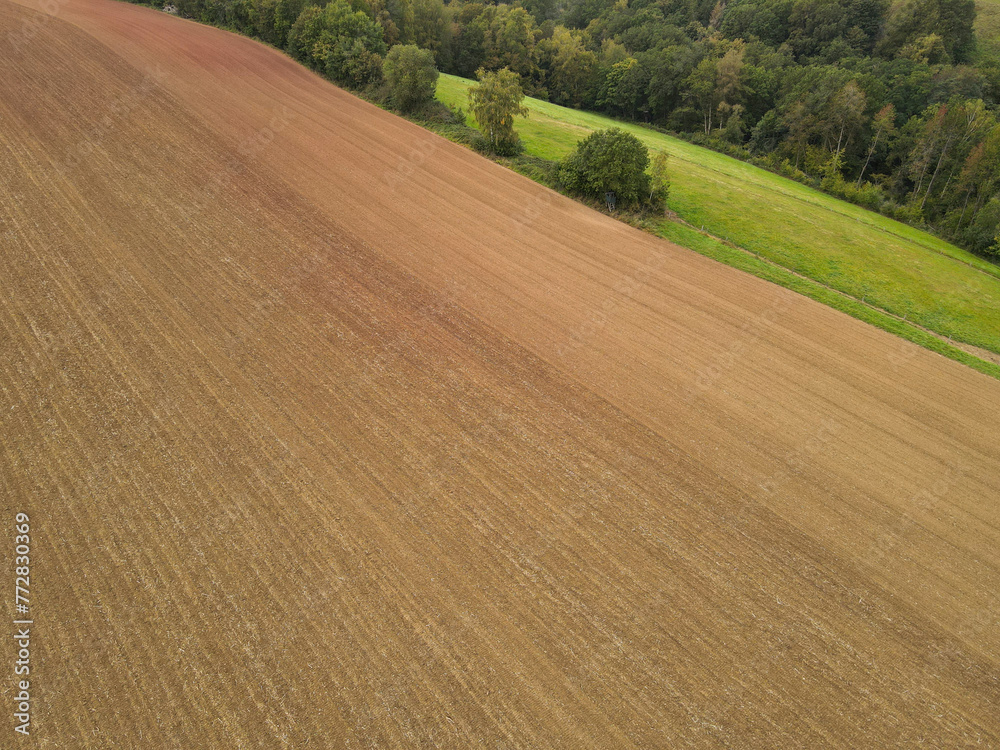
[[411, 75], [495, 102], [884, 129], [845, 116]]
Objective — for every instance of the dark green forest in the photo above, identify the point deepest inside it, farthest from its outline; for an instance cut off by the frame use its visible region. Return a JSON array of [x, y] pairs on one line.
[[891, 105]]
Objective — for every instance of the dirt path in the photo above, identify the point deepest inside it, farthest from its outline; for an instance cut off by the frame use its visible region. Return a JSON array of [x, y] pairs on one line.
[[334, 434]]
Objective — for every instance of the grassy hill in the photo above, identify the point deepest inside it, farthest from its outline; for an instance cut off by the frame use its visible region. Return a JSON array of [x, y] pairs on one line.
[[890, 265]]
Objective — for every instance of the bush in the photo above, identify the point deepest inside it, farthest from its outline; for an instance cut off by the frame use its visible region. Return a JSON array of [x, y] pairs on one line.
[[909, 213], [980, 236], [411, 76], [608, 160], [659, 182], [439, 113], [867, 195], [505, 148]]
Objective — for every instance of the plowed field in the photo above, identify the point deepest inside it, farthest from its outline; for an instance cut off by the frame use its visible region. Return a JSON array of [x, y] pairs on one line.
[[335, 434]]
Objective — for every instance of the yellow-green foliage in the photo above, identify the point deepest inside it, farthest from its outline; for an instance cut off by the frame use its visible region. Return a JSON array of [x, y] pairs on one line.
[[988, 24]]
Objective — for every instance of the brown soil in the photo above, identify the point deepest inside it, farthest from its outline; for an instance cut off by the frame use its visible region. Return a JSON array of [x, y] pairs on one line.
[[335, 434]]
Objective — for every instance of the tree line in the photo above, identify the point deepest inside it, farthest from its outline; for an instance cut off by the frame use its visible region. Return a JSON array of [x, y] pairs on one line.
[[887, 104]]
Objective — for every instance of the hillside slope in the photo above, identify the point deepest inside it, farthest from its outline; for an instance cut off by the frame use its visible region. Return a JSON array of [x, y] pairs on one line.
[[890, 265], [335, 434]]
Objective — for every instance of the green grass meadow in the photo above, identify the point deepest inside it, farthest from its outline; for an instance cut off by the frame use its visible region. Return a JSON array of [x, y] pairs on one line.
[[897, 268]]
